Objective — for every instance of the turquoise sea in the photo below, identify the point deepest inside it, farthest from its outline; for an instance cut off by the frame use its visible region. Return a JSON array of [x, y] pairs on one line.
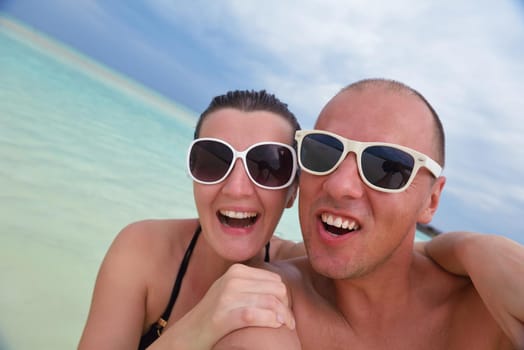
[[83, 152]]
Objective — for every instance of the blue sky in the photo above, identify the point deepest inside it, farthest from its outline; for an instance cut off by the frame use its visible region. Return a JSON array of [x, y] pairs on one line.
[[466, 57]]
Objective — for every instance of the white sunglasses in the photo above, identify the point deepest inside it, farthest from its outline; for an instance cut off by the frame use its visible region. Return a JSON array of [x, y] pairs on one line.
[[382, 166]]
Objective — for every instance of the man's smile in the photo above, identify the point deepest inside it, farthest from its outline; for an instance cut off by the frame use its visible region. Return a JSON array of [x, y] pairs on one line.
[[338, 225]]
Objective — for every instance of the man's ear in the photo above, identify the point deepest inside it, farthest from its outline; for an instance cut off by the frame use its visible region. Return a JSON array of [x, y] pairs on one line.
[[292, 194], [433, 200]]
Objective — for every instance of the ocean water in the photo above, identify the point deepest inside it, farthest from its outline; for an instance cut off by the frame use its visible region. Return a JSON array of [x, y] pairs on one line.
[[83, 152]]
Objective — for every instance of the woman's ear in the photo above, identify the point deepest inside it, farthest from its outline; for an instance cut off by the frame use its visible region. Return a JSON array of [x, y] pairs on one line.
[[433, 200]]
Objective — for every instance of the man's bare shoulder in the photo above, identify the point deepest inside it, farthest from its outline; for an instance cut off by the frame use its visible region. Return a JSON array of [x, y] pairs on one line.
[[469, 322], [429, 275]]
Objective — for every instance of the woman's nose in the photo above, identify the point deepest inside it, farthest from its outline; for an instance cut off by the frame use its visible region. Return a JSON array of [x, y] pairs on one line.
[[238, 182]]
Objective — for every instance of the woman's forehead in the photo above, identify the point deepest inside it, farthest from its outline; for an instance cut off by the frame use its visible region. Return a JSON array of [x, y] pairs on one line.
[[254, 126]]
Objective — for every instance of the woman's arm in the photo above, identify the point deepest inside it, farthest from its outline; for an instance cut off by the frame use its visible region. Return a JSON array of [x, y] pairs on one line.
[[264, 338], [243, 297], [117, 308], [495, 265]]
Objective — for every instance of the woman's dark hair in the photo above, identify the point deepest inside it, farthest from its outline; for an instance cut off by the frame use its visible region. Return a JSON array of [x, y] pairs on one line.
[[248, 101]]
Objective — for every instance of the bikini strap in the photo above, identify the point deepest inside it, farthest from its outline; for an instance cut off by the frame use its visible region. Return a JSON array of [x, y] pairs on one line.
[[266, 257], [162, 321]]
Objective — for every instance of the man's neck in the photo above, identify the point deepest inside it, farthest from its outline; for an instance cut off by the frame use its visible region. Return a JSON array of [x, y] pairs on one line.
[[379, 294]]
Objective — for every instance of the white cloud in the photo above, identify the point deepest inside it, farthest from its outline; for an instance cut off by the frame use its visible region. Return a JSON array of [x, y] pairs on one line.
[[446, 48]]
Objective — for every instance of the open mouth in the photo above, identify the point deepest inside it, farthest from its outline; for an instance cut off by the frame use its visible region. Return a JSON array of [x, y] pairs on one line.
[[337, 225], [237, 219]]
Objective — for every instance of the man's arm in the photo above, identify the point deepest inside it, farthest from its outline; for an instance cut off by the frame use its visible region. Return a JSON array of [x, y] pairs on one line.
[[495, 265]]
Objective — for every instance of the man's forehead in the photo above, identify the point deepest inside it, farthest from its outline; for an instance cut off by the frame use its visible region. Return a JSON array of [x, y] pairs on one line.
[[365, 115], [361, 105]]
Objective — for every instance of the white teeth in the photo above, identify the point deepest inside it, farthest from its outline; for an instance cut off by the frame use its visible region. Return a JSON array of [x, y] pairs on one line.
[[238, 214], [339, 222]]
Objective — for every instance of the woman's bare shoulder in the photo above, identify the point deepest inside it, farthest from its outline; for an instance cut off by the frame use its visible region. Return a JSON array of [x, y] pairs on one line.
[[282, 249], [153, 229], [154, 236]]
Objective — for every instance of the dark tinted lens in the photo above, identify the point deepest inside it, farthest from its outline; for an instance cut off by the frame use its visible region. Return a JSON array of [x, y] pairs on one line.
[[387, 167], [209, 160], [320, 152], [270, 165]]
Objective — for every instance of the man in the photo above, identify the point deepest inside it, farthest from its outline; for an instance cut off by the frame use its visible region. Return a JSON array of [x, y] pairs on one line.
[[371, 171]]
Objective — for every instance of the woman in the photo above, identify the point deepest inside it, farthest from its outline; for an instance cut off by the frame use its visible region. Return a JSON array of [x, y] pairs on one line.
[[138, 294]]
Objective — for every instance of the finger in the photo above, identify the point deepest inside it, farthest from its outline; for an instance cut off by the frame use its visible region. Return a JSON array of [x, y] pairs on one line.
[[231, 303], [240, 270], [282, 312], [235, 288], [261, 317], [251, 302]]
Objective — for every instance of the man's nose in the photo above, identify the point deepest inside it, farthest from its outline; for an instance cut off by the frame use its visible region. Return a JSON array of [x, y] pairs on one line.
[[345, 180]]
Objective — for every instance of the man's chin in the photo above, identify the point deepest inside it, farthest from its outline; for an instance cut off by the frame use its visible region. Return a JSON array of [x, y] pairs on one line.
[[326, 266]]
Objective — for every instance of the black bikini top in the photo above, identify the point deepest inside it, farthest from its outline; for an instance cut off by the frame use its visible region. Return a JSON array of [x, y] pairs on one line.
[[156, 329]]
